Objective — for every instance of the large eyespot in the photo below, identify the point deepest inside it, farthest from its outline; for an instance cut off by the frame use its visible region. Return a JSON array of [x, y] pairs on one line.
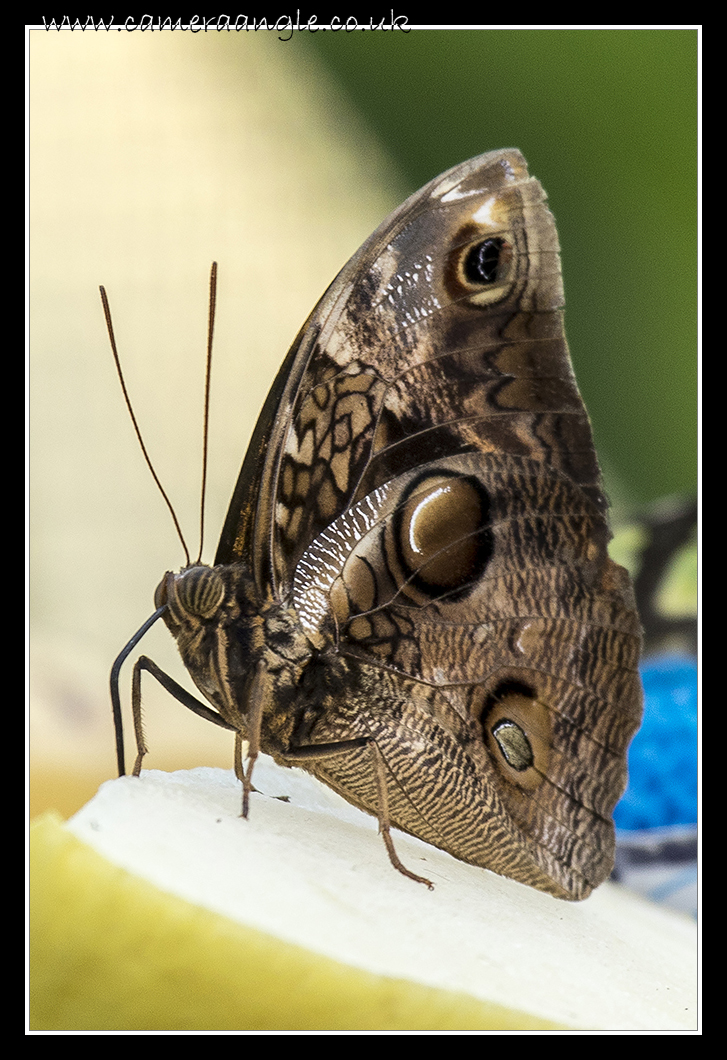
[[516, 730], [442, 533], [200, 591]]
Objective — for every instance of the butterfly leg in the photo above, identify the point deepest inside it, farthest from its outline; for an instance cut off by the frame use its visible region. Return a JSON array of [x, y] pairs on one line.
[[174, 689], [254, 718], [383, 816], [329, 750], [239, 771], [141, 748], [244, 778]]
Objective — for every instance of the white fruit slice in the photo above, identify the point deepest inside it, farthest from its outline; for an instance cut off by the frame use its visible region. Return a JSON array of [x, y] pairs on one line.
[[157, 908]]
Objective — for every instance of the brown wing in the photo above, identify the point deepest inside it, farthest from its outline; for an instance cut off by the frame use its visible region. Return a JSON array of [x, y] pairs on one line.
[[429, 499], [408, 357], [493, 649]]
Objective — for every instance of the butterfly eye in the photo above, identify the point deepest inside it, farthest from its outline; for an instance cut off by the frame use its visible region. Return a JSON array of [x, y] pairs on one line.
[[484, 260], [200, 591], [160, 593]]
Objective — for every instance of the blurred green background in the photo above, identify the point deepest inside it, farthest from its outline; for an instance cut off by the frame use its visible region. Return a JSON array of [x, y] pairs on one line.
[[608, 121]]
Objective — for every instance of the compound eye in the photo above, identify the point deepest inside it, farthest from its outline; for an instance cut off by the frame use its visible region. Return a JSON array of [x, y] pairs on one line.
[[200, 591]]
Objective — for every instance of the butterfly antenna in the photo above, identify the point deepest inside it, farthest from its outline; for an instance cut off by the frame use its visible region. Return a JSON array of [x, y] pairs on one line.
[[110, 327], [205, 429]]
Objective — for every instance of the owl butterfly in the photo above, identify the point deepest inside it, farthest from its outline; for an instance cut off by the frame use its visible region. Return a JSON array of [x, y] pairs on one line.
[[412, 597]]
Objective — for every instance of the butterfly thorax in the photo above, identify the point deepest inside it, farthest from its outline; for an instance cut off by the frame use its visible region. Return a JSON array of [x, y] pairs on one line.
[[228, 636]]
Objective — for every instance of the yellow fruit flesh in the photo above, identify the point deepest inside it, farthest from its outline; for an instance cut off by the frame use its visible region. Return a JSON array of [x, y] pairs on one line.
[[110, 951]]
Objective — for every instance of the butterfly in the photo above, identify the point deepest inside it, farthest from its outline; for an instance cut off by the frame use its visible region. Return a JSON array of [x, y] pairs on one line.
[[412, 597]]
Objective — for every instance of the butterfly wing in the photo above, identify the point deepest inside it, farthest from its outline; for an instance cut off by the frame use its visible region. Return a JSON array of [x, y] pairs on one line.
[[423, 487], [405, 318]]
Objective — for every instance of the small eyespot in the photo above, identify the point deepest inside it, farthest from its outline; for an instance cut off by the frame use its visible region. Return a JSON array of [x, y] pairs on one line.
[[517, 732], [514, 745], [483, 262]]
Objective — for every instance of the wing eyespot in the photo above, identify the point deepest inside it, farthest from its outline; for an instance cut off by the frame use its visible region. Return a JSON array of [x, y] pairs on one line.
[[516, 731], [486, 261], [514, 744], [481, 268], [442, 533]]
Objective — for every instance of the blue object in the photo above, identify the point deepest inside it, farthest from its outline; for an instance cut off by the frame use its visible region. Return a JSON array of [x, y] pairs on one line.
[[662, 788]]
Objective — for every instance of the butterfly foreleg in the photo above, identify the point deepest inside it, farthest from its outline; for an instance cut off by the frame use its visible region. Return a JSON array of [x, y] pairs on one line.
[[181, 694]]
